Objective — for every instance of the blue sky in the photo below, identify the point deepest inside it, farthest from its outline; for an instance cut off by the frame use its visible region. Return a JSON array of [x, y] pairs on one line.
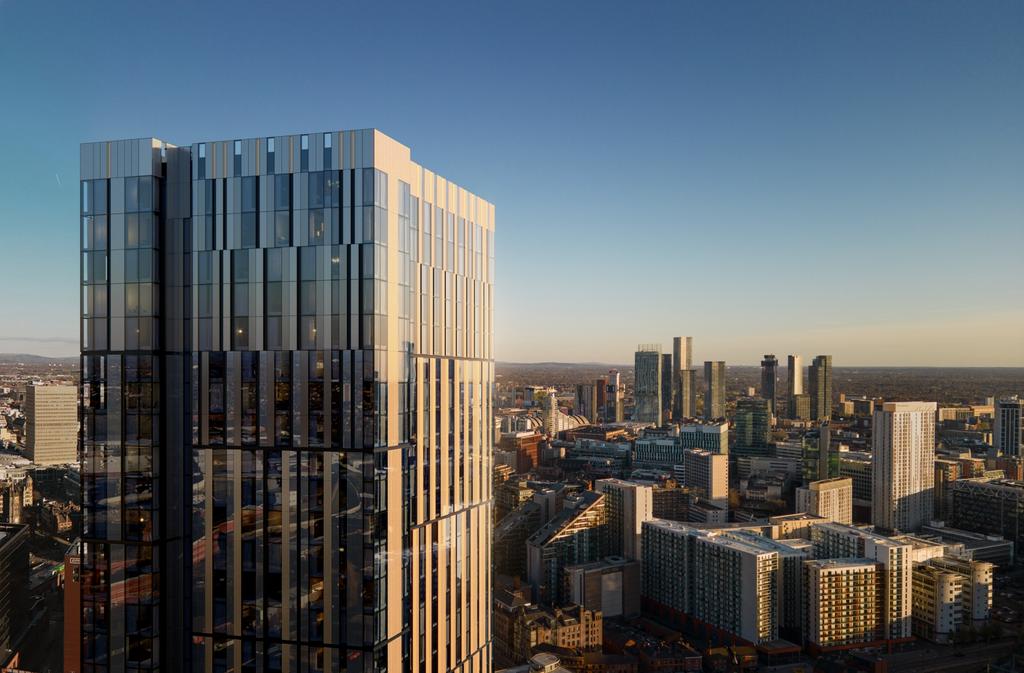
[[811, 177]]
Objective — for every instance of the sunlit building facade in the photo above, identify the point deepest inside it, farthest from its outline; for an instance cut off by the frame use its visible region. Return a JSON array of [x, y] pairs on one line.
[[843, 605], [286, 386], [903, 465]]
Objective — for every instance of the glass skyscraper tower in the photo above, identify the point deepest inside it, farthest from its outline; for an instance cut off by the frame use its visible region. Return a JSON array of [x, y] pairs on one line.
[[286, 390]]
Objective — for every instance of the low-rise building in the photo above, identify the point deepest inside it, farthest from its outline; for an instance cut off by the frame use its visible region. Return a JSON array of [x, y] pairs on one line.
[[570, 627]]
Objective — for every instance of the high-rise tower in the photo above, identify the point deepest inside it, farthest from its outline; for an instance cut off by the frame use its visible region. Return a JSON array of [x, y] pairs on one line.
[[903, 465], [685, 392], [647, 384], [286, 378], [1007, 427], [769, 378], [819, 379], [714, 393], [668, 392], [614, 394], [682, 378], [794, 384]]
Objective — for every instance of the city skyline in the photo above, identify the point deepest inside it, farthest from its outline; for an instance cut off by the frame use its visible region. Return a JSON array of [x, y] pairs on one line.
[[352, 338], [879, 140]]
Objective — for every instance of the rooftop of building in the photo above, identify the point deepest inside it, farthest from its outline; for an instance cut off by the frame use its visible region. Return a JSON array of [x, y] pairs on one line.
[[840, 563], [798, 516], [1014, 485], [739, 544], [784, 547], [797, 543], [574, 507], [918, 542], [909, 406], [866, 533], [587, 658], [509, 598], [622, 483], [856, 456], [670, 525], [969, 539], [606, 562], [542, 662], [11, 531], [834, 482]]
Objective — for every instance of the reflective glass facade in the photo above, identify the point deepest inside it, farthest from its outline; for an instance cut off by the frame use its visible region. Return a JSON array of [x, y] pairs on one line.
[[287, 378]]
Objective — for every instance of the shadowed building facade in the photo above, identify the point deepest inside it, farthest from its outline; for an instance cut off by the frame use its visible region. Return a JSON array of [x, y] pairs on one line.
[[769, 379], [819, 385], [647, 384], [714, 389], [286, 388]]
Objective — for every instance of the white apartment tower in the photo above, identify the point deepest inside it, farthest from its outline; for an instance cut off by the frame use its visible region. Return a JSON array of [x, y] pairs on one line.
[[903, 462], [830, 499]]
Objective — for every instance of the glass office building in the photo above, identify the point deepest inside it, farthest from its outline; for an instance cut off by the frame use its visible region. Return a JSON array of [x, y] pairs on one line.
[[286, 391]]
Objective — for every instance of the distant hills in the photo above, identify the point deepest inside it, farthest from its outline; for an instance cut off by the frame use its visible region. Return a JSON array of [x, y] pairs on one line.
[[29, 359]]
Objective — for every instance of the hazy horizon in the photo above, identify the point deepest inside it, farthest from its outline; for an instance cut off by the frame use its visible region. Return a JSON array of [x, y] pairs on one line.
[[627, 365]]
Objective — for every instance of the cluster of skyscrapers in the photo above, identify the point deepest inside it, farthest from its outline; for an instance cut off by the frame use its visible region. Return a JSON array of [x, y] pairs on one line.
[[665, 387], [665, 384]]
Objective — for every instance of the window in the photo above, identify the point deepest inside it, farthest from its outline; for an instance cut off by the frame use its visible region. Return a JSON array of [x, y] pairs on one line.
[[131, 195], [275, 298], [249, 230], [316, 227], [250, 197], [304, 153], [282, 229], [146, 200], [327, 151], [202, 161], [240, 266], [274, 268], [427, 235], [316, 190], [238, 157], [282, 192], [307, 263], [270, 156]]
